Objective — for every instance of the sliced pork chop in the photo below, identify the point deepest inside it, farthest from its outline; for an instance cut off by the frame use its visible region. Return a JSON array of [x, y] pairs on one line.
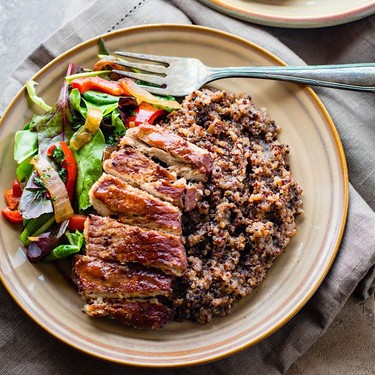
[[181, 156], [173, 193], [140, 314], [135, 168], [142, 172], [96, 278], [111, 196], [109, 239]]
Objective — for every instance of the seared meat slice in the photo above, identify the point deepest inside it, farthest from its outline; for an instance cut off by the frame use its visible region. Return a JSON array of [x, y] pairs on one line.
[[135, 168], [109, 239], [173, 193], [111, 196], [96, 278], [140, 314], [181, 169], [140, 171], [182, 157]]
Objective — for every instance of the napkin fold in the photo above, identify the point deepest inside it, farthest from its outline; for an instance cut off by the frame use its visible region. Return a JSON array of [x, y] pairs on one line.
[[26, 348]]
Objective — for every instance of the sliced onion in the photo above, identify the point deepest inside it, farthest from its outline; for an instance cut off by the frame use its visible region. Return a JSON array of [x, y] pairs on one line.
[[108, 61], [56, 188], [143, 95]]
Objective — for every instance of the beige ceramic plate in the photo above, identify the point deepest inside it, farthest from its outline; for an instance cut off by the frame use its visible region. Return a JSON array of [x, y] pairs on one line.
[[295, 13], [318, 164]]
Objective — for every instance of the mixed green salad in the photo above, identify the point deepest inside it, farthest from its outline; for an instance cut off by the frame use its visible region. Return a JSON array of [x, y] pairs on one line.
[[59, 153]]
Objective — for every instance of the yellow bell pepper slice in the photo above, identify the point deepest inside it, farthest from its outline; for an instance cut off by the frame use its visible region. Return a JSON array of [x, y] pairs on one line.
[[85, 133]]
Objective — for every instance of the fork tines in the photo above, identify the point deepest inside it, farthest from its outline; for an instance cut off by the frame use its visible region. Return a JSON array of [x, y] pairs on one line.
[[147, 68], [142, 56], [149, 78], [148, 73]]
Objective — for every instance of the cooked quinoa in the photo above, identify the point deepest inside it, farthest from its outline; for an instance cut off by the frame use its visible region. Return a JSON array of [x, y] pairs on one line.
[[246, 212]]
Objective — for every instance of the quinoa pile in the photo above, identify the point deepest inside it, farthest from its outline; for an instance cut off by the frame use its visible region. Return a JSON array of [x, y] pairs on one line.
[[246, 212]]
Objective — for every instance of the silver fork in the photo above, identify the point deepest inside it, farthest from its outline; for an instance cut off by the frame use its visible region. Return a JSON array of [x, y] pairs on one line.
[[178, 76]]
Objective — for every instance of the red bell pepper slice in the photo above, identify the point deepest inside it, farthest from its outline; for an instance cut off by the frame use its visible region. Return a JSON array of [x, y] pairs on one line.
[[13, 216], [77, 222], [70, 165], [12, 198], [145, 112], [11, 201], [84, 84], [16, 188]]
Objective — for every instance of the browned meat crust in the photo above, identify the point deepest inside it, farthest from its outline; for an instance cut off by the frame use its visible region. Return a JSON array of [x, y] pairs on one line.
[[96, 278], [173, 193], [108, 239], [111, 196], [140, 171], [140, 314], [183, 157], [135, 168]]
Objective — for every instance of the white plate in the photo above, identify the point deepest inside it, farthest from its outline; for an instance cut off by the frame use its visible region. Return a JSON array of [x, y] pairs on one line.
[[317, 162], [295, 13]]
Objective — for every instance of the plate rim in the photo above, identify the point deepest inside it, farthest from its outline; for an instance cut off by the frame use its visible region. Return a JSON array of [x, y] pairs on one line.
[[297, 22], [344, 179]]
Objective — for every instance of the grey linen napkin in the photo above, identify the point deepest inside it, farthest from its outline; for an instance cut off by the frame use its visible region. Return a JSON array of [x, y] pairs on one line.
[[25, 348]]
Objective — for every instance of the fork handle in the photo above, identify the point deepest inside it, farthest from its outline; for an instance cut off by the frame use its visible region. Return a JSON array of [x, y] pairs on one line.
[[359, 77]]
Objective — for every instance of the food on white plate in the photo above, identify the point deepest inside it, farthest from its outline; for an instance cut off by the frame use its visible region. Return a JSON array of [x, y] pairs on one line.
[[167, 210]]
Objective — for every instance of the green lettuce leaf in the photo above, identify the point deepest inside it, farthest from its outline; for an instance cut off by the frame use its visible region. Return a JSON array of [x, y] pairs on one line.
[[89, 163], [75, 101], [24, 170], [76, 241], [30, 87], [26, 145]]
